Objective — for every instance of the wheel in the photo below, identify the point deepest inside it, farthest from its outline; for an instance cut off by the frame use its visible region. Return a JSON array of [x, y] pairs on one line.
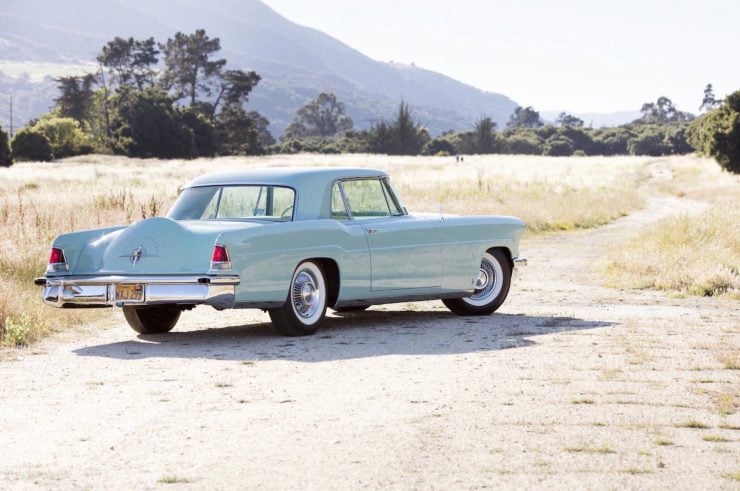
[[305, 306], [358, 308], [491, 287], [151, 320]]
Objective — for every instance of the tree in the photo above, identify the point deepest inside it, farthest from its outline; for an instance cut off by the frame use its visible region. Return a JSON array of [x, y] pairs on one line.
[[324, 116], [565, 119], [662, 112], [6, 157], [189, 69], [407, 137], [29, 144], [76, 96], [709, 102], [131, 61], [260, 124], [237, 132], [146, 124], [717, 133], [524, 117], [484, 136], [234, 88]]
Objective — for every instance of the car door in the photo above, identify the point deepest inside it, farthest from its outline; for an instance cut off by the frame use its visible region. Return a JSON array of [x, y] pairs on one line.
[[405, 252]]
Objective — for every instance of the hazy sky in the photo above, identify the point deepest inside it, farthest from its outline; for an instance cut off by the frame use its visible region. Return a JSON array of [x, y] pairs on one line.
[[579, 55]]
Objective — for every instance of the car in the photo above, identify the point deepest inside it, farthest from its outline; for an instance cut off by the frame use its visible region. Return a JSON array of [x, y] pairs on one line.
[[291, 241]]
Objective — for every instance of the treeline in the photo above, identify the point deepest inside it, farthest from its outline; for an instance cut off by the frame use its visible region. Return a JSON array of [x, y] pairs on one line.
[[168, 100], [322, 127]]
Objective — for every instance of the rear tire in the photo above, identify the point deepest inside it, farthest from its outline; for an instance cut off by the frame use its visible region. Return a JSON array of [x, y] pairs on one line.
[[151, 320], [492, 287], [305, 307]]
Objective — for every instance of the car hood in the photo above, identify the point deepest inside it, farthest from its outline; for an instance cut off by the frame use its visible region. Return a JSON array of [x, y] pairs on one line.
[[155, 246]]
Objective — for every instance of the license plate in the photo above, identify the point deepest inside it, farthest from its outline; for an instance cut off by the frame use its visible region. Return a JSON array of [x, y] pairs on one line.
[[130, 293]]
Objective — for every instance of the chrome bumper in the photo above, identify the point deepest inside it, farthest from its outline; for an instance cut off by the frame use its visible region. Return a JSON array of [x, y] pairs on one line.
[[100, 291], [519, 261]]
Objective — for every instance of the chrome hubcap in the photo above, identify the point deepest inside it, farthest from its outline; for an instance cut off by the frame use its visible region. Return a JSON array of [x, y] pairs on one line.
[[481, 280], [485, 282], [306, 294]]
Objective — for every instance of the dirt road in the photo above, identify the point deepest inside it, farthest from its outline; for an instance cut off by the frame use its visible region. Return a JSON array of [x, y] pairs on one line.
[[570, 384]]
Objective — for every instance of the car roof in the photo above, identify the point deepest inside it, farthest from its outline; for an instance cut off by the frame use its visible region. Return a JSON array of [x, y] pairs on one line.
[[294, 177], [313, 185]]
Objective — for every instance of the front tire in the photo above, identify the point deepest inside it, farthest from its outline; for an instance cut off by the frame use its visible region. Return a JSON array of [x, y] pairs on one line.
[[305, 307], [492, 287], [151, 320]]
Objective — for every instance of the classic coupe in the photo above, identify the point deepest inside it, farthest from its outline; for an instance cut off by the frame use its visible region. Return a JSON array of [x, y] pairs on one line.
[[291, 241]]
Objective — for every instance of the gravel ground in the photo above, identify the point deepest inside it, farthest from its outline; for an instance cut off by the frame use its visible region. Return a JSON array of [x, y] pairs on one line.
[[570, 384]]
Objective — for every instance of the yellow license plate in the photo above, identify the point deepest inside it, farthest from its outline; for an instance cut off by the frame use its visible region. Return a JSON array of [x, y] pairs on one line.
[[131, 293]]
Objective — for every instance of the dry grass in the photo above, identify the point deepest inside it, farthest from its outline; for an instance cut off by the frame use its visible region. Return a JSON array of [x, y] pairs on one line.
[[694, 254], [686, 254]]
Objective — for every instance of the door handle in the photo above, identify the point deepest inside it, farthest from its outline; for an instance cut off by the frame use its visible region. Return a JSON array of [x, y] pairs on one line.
[[372, 230]]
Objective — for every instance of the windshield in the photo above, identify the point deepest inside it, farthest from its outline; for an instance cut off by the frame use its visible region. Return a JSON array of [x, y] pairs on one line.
[[234, 203]]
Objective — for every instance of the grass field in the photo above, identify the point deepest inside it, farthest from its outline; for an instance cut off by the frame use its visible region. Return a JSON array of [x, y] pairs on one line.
[[41, 200]]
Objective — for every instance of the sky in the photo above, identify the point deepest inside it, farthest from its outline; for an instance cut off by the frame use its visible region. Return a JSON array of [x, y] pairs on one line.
[[576, 55]]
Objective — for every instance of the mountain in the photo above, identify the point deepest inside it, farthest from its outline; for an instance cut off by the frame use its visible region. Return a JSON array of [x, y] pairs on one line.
[[294, 61]]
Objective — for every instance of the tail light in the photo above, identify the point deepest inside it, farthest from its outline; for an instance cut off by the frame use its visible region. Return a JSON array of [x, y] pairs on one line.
[[57, 261], [220, 258]]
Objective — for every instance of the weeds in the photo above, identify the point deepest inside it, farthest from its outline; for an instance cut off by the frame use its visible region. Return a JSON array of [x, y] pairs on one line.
[[693, 424], [715, 438], [603, 449], [663, 442]]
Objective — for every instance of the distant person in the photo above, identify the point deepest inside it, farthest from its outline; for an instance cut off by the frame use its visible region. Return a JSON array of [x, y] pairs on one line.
[[457, 159], [462, 159]]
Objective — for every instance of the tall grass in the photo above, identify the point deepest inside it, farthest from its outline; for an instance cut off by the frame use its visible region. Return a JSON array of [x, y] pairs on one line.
[[39, 201], [693, 254]]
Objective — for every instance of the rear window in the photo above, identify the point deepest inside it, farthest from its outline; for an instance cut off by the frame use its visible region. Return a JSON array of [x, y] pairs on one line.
[[234, 203]]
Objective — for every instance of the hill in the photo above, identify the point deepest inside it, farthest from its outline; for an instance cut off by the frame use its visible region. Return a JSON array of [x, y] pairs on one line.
[[295, 62]]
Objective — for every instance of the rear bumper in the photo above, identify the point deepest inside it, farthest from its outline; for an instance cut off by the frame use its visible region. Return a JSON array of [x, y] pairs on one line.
[[100, 291]]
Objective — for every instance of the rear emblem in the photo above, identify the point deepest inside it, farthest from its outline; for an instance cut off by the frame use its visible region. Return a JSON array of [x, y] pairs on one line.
[[137, 255]]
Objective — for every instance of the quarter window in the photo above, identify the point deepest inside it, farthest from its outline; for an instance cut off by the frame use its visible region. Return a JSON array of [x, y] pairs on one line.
[[369, 198]]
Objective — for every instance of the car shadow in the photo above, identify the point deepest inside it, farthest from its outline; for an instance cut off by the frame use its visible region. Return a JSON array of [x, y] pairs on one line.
[[349, 336]]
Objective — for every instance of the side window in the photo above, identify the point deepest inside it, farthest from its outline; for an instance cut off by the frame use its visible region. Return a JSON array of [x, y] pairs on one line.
[[367, 198], [338, 210]]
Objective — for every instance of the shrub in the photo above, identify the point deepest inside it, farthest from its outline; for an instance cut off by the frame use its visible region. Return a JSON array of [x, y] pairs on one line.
[[439, 146], [6, 157], [65, 136], [524, 144], [29, 144], [558, 146]]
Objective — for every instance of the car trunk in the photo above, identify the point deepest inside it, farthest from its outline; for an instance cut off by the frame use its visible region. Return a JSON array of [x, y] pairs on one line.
[[155, 246]]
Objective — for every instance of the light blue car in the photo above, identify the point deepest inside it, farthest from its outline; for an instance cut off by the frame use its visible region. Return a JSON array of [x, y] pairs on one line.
[[291, 241]]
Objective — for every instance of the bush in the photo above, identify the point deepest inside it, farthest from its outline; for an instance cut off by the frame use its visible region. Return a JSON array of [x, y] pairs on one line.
[[439, 146], [29, 144], [524, 144], [65, 136], [6, 157], [558, 146]]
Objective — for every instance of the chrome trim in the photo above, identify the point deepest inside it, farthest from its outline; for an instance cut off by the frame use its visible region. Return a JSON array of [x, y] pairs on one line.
[[99, 291], [361, 302], [519, 261]]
